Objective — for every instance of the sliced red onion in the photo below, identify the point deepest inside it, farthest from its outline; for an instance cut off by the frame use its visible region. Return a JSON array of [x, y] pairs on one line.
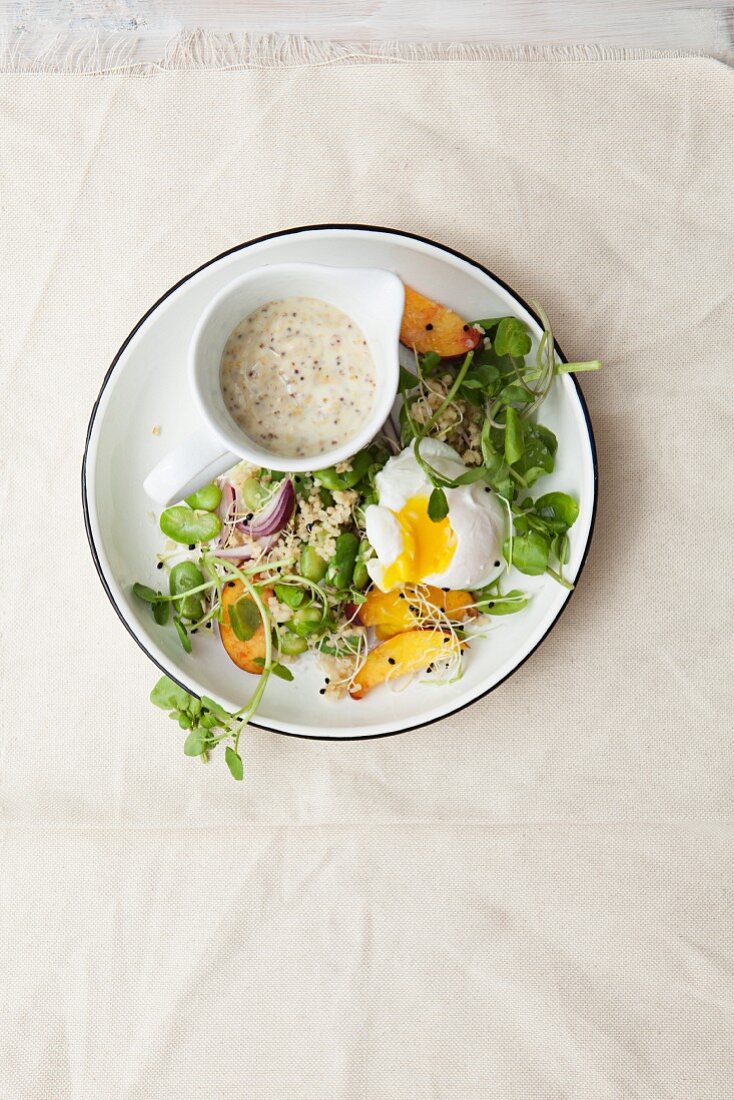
[[273, 517], [227, 511], [247, 552], [242, 553]]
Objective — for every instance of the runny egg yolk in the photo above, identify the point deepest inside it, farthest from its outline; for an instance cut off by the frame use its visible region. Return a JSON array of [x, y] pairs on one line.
[[428, 547]]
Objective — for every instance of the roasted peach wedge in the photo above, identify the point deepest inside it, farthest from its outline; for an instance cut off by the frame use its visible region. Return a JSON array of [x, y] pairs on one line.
[[428, 326], [244, 654], [394, 612], [409, 652]]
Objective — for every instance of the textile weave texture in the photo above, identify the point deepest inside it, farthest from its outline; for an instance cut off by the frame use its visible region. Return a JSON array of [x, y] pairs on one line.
[[531, 899]]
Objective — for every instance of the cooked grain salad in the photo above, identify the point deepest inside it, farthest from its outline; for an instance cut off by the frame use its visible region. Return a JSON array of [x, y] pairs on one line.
[[388, 565]]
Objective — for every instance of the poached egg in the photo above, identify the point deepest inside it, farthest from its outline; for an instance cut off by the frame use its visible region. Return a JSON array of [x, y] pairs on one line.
[[461, 551]]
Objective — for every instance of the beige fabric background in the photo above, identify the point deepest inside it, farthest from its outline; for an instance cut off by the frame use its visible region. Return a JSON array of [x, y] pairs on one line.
[[533, 899]]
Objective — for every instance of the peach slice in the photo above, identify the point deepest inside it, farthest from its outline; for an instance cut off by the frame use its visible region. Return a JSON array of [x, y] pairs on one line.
[[244, 654], [398, 656], [428, 326], [390, 612]]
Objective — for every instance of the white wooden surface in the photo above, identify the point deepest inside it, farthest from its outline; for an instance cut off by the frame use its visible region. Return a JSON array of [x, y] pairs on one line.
[[665, 24]]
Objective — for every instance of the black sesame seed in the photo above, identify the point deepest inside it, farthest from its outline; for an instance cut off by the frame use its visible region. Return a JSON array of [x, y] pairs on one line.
[[412, 609], [322, 691], [496, 565], [491, 603], [192, 546], [401, 595], [194, 630], [159, 565], [391, 660], [326, 680], [429, 327], [466, 328], [445, 590], [446, 640], [230, 584], [248, 517], [487, 489]]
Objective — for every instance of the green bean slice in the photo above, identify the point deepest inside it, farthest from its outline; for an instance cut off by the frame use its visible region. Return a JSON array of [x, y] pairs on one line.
[[305, 621], [292, 644], [189, 525], [254, 494], [312, 566], [207, 498]]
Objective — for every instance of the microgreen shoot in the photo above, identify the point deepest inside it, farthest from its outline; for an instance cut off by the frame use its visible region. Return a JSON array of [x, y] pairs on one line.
[[516, 451], [488, 401]]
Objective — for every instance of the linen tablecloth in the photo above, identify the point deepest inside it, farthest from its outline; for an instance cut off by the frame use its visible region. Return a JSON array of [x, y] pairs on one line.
[[531, 899]]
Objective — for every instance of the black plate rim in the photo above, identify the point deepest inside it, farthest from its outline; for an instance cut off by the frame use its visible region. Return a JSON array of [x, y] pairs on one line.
[[349, 226]]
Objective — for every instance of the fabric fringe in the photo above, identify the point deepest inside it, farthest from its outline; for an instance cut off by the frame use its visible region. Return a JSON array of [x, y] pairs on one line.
[[202, 50]]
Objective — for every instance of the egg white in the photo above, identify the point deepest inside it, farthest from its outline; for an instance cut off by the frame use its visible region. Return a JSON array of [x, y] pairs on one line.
[[475, 514]]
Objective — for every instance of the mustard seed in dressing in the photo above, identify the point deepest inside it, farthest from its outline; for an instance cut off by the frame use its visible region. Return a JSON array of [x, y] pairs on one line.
[[298, 377]]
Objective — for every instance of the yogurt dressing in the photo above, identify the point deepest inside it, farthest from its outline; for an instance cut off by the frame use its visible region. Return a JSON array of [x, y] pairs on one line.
[[298, 377]]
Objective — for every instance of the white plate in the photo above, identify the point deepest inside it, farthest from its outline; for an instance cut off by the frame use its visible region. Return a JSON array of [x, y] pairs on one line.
[[146, 386]]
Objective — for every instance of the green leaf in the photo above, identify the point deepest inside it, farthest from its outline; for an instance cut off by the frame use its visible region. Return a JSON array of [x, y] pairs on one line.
[[505, 604], [194, 744], [234, 763], [531, 476], [514, 440], [547, 437], [158, 605], [428, 363], [186, 576], [512, 338], [147, 595], [484, 369], [559, 506], [244, 618], [515, 394], [539, 452], [537, 523], [182, 635], [475, 473], [341, 564], [406, 428], [438, 505], [214, 708], [407, 380], [529, 553], [560, 548], [276, 668], [160, 612], [488, 323], [169, 696], [290, 594], [360, 465]]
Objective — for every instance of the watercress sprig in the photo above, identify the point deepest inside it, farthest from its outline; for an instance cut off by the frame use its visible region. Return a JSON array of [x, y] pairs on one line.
[[516, 450], [207, 723]]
